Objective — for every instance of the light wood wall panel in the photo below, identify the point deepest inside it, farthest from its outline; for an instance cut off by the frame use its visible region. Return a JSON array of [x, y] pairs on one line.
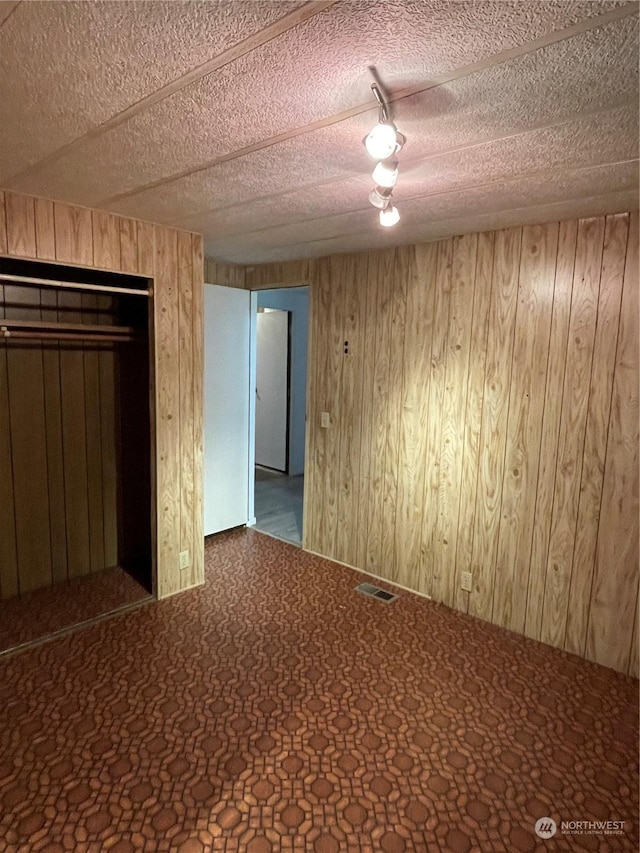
[[226, 275], [524, 425], [35, 228], [614, 598], [282, 274], [484, 419]]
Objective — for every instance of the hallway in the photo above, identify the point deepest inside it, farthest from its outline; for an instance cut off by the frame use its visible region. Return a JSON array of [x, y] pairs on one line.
[[278, 505]]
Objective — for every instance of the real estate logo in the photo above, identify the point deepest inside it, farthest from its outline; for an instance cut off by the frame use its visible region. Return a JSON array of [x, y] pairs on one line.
[[545, 827]]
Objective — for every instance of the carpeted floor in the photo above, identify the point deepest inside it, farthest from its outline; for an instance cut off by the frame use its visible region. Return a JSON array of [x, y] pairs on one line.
[[275, 710], [47, 611]]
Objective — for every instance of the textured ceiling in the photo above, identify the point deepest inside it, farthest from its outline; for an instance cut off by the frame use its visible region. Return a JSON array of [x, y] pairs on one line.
[[243, 119]]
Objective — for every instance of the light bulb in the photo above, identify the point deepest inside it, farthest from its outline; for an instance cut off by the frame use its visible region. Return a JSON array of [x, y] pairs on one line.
[[389, 216], [385, 173], [380, 197], [381, 142]]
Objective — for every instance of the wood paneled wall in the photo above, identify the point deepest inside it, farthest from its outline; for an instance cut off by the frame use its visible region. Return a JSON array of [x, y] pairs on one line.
[[58, 449], [226, 275], [283, 274], [485, 419], [42, 229]]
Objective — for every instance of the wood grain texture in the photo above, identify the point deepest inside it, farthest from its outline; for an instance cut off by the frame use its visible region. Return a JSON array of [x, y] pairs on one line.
[[283, 274], [3, 224], [395, 271], [436, 398], [350, 407], [380, 267], [75, 450], [74, 234], [497, 380], [595, 441], [476, 424], [575, 400], [421, 269], [197, 378], [473, 416], [45, 230], [634, 655], [526, 408], [148, 262], [128, 244], [106, 240], [366, 419], [563, 288], [167, 371], [226, 275], [21, 225], [454, 402], [613, 606], [329, 382], [312, 499], [186, 401]]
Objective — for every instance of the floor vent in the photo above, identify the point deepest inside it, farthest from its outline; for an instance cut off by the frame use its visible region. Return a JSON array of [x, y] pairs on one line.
[[375, 592]]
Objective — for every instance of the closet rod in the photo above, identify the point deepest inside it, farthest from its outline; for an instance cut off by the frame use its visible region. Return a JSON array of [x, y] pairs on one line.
[[74, 285], [7, 335]]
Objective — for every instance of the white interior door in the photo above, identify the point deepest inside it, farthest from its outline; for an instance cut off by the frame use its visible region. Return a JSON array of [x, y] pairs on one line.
[[227, 394], [272, 365]]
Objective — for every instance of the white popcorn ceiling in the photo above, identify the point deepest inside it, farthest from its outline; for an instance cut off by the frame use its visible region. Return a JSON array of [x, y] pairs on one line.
[[243, 119]]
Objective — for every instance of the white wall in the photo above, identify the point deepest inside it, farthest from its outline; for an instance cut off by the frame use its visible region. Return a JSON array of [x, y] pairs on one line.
[[272, 369], [296, 300]]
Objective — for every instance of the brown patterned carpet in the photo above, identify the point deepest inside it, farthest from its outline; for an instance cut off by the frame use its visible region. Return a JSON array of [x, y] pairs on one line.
[[48, 611], [275, 710]]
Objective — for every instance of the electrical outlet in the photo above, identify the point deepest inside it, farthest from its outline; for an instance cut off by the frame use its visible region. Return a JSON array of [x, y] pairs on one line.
[[325, 422], [185, 561], [466, 580]]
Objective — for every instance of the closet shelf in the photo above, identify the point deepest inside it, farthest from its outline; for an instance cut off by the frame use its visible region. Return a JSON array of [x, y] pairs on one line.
[[54, 326], [72, 285]]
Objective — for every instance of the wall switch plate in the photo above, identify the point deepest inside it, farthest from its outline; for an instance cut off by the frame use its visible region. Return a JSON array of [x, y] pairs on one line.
[[466, 580], [185, 562], [325, 423]]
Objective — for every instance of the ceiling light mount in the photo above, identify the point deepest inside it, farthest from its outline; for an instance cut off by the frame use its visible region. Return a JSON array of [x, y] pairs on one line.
[[382, 143]]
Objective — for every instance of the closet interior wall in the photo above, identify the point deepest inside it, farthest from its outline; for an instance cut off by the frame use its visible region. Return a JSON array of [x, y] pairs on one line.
[[59, 458], [40, 229]]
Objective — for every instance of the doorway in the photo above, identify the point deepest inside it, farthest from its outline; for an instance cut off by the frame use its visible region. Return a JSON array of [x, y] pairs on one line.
[[282, 330]]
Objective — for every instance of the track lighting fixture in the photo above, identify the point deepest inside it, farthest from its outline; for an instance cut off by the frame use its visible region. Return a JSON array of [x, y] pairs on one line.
[[389, 216], [382, 143], [380, 197], [385, 173]]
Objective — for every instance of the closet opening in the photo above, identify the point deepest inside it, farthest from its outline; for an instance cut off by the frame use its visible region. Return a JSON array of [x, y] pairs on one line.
[[76, 446]]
